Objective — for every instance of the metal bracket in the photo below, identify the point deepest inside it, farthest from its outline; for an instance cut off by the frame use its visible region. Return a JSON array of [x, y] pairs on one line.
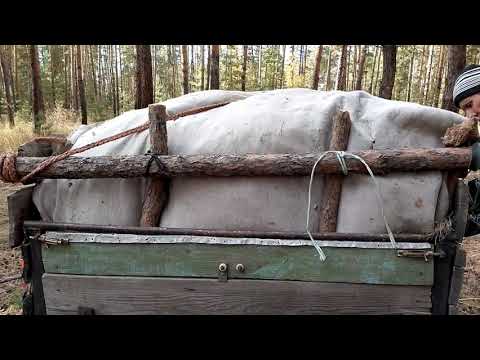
[[44, 240], [427, 255], [223, 272]]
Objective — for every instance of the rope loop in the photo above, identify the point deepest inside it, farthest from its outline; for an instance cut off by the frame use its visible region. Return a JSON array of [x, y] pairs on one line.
[[341, 159]]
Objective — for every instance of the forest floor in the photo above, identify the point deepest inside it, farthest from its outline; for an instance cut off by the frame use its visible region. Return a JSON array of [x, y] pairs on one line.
[[11, 292]]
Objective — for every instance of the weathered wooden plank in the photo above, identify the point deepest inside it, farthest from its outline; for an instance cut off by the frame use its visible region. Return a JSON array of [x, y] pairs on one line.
[[353, 265], [36, 279], [136, 230], [19, 209], [64, 294], [381, 162]]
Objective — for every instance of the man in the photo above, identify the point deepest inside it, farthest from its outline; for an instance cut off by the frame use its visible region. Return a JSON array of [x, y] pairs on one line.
[[466, 91], [466, 96]]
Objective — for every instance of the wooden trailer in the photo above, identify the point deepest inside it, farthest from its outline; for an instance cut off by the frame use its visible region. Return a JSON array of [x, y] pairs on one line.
[[90, 269]]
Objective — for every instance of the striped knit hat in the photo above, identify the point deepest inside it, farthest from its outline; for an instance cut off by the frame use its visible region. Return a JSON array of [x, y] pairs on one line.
[[467, 84]]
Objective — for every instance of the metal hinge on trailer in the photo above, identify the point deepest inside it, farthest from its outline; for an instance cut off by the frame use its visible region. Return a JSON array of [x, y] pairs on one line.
[[44, 240], [425, 254]]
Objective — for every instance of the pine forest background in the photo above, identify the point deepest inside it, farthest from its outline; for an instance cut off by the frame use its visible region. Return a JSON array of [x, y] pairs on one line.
[[103, 81]]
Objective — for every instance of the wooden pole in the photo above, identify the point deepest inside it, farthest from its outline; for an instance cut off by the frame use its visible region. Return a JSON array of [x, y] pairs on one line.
[[333, 183], [284, 235], [381, 162], [156, 193]]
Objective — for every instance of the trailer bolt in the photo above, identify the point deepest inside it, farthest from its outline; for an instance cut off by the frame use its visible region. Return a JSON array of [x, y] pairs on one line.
[[240, 268], [222, 267]]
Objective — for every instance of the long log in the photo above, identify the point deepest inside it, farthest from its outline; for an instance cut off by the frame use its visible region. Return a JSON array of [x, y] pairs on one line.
[[333, 183], [285, 235], [156, 193], [381, 162]]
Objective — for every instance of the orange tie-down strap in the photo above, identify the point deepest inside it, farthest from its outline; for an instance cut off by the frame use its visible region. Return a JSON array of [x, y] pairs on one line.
[[8, 169]]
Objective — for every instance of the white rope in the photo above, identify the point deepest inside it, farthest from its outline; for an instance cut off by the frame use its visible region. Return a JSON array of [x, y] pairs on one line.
[[341, 159]]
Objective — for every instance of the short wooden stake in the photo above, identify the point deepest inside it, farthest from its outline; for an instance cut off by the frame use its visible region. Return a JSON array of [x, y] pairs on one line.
[[333, 183], [156, 193]]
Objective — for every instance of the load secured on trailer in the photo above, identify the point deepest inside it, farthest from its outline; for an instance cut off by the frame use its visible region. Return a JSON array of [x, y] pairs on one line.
[[236, 179]]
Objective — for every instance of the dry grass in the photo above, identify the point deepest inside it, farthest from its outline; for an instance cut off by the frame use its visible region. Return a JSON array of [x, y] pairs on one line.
[[469, 302], [58, 122], [10, 292]]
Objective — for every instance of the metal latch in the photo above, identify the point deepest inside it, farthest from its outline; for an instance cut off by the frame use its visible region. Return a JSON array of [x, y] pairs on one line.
[[43, 239], [426, 254], [223, 272]]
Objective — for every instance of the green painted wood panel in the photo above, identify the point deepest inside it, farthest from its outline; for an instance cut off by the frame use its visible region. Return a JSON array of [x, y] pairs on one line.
[[351, 265]]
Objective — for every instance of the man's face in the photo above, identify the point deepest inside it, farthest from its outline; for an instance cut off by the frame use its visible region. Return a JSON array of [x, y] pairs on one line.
[[471, 106]]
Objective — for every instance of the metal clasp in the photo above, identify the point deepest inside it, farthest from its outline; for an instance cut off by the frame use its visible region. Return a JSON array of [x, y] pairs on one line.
[[43, 239], [223, 272], [425, 254]]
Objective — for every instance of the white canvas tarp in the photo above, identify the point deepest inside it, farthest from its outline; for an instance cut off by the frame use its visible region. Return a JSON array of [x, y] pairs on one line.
[[279, 121]]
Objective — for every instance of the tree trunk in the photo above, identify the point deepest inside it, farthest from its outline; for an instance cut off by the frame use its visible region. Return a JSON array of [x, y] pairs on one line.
[[438, 85], [154, 71], [94, 75], [347, 69], [342, 74], [117, 87], [259, 76], [73, 77], [144, 83], [203, 67], [209, 65], [192, 69], [185, 68], [426, 85], [361, 67], [122, 85], [66, 89], [7, 81], [282, 71], [111, 78], [100, 73], [81, 86], [456, 62], [389, 68], [52, 73], [372, 77], [38, 105], [13, 59], [244, 66], [329, 66], [316, 72], [354, 67], [15, 70], [410, 75], [215, 67], [377, 73]]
